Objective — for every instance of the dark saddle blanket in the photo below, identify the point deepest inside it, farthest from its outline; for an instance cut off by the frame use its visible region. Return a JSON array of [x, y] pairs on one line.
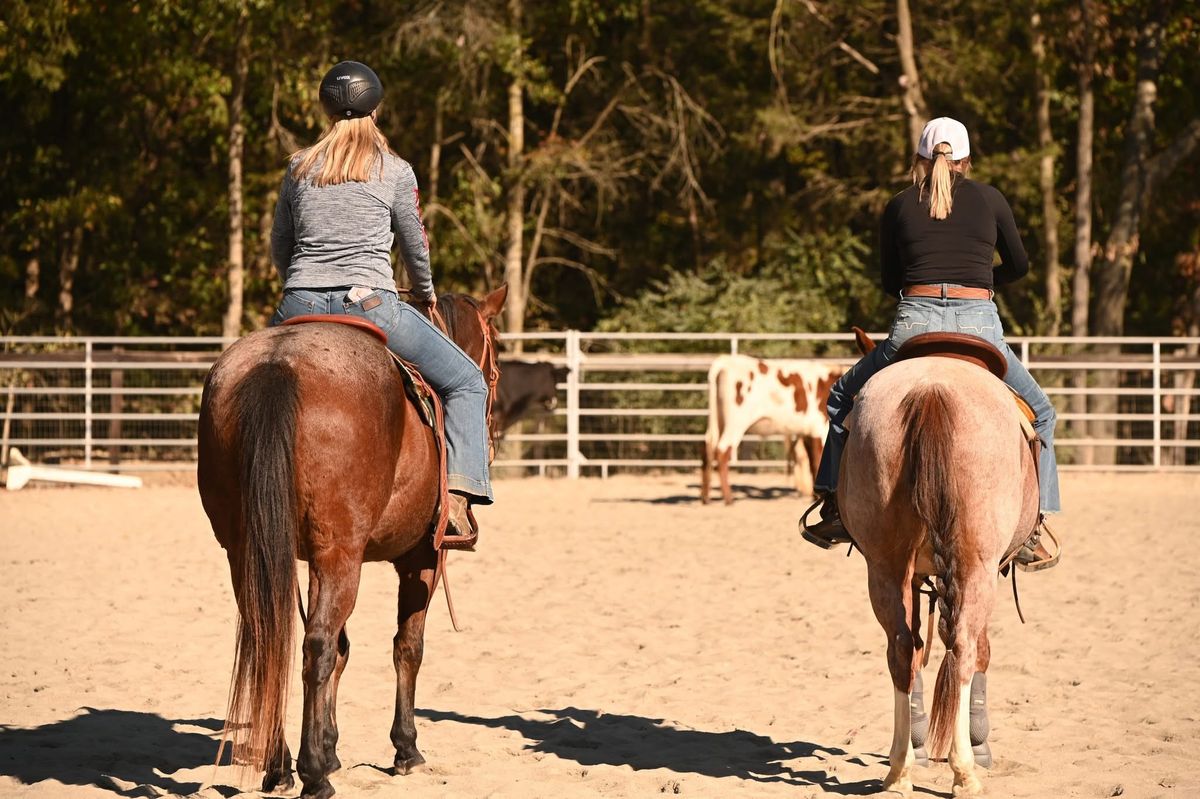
[[964, 347]]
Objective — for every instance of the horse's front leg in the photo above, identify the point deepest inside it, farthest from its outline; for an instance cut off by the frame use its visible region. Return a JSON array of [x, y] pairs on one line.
[[416, 571], [333, 588]]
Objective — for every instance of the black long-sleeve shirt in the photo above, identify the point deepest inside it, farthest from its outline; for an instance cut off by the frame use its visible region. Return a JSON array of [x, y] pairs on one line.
[[916, 248]]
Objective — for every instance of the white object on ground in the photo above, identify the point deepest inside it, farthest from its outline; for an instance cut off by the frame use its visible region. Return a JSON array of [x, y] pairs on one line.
[[21, 471]]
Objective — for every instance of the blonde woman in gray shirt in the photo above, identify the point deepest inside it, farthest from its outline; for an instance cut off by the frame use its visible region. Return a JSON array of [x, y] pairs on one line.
[[343, 203]]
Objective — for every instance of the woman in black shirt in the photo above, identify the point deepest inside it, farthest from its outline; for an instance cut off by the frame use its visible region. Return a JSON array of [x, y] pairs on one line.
[[937, 238]]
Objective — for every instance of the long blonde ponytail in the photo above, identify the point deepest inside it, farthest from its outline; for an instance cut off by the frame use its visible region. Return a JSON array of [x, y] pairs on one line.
[[348, 150], [938, 177]]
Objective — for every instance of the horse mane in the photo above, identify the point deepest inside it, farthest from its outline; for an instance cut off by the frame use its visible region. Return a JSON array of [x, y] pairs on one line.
[[457, 310]]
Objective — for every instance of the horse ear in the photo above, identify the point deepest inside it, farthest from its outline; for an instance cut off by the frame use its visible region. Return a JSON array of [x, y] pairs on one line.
[[864, 342], [492, 303]]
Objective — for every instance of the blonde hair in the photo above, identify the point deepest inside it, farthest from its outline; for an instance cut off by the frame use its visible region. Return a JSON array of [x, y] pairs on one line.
[[348, 150], [937, 175]]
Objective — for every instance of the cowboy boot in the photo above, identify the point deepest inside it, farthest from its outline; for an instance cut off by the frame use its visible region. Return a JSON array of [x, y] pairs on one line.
[[1034, 555], [829, 530], [462, 532]]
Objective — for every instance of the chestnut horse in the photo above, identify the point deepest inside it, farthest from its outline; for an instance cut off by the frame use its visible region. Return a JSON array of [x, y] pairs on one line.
[[937, 480], [310, 449]]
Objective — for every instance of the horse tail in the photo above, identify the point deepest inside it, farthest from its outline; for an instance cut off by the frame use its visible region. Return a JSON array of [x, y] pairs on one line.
[[928, 430], [265, 404]]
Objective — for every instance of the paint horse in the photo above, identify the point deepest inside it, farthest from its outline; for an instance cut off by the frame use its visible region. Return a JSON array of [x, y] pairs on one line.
[[310, 448], [938, 479]]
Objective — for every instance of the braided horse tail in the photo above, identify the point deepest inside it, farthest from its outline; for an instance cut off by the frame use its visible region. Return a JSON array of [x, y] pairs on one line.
[[928, 420]]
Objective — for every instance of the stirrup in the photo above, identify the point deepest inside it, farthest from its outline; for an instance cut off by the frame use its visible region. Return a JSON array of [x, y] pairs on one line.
[[811, 534], [1054, 552], [459, 540]]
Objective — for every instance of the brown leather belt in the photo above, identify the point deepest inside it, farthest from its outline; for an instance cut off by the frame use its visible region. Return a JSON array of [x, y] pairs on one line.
[[947, 292]]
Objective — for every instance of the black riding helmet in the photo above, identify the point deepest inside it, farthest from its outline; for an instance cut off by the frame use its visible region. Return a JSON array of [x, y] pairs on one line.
[[350, 90]]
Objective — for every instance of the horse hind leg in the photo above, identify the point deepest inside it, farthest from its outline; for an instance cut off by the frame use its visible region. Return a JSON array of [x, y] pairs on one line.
[[979, 726], [332, 593], [416, 572], [888, 602], [278, 775]]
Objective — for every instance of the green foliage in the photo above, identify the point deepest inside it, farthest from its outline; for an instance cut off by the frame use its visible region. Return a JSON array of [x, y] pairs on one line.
[[704, 164], [809, 283]]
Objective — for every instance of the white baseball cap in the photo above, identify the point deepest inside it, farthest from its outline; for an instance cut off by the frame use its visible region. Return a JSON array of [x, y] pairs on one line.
[[950, 131]]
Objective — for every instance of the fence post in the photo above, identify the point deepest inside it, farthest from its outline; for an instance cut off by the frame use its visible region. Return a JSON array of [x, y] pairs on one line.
[[1157, 372], [733, 345], [574, 363], [87, 404]]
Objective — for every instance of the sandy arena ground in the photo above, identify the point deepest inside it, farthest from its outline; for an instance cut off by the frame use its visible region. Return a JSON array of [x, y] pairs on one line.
[[621, 641]]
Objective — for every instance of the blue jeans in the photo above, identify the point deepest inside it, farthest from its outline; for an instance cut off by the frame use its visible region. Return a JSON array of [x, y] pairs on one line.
[[456, 378], [916, 315]]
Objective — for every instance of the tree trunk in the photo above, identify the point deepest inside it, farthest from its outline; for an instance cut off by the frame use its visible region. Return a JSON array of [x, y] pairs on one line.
[[1081, 284], [33, 277], [68, 264], [232, 325], [435, 158], [913, 98], [1081, 280], [1046, 180], [515, 213], [1116, 262]]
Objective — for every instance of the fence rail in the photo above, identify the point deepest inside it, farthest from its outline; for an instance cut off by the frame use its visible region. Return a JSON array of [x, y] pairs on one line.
[[631, 401]]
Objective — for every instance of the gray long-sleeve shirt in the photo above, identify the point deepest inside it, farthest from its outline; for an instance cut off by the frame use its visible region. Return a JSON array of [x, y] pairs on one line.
[[342, 235]]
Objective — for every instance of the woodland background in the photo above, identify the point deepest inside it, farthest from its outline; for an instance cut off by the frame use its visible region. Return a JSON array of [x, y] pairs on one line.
[[632, 164]]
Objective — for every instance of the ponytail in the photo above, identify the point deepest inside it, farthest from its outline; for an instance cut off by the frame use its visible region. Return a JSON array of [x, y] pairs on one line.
[[349, 150], [937, 176]]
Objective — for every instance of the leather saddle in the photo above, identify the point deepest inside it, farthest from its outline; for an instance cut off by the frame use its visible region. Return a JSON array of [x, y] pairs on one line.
[[971, 349], [423, 397]]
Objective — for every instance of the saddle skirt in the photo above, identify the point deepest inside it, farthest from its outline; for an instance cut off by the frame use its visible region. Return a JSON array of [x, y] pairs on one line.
[[424, 399]]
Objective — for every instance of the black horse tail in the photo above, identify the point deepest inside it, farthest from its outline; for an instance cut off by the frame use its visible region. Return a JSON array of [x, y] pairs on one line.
[[928, 433], [265, 403]]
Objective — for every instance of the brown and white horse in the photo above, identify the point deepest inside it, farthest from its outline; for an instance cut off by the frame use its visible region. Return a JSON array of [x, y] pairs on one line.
[[937, 480], [310, 449]]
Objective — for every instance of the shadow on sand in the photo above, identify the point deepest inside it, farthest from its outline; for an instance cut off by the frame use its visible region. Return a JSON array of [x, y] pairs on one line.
[[740, 492], [591, 738], [118, 750]]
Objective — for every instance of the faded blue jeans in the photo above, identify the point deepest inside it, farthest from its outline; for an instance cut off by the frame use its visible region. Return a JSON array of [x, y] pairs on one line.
[[456, 378], [916, 315]]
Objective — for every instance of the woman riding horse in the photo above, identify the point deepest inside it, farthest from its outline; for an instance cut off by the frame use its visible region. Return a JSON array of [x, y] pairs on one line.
[[342, 203], [937, 238]]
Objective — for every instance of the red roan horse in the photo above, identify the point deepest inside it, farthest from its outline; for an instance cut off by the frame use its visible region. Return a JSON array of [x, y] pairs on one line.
[[309, 448], [937, 480]]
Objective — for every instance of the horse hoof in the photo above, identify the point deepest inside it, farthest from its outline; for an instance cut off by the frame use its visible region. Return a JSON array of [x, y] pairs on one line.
[[408, 765], [970, 787], [983, 755], [280, 781], [900, 788], [323, 790], [920, 756]]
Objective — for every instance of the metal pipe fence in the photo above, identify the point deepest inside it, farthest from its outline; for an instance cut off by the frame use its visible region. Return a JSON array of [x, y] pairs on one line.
[[631, 401]]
